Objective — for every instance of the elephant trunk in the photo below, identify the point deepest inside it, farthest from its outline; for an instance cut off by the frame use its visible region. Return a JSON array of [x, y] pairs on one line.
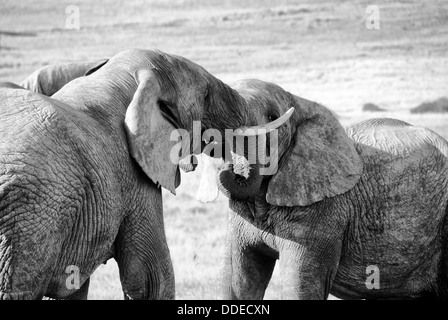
[[189, 163], [239, 180]]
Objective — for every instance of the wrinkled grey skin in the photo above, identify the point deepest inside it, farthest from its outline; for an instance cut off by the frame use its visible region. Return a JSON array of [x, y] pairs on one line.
[[80, 173], [49, 79], [341, 201]]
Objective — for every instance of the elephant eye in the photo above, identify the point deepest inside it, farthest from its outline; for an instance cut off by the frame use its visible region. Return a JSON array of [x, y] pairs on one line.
[[272, 117]]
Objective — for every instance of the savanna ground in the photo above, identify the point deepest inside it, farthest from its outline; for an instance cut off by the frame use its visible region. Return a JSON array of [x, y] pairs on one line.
[[320, 50]]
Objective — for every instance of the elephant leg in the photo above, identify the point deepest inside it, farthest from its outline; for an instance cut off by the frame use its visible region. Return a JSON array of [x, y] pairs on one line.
[[82, 293], [143, 257], [246, 275], [307, 274], [246, 270]]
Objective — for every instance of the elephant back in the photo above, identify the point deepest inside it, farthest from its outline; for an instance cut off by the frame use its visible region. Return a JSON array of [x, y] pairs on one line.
[[397, 138]]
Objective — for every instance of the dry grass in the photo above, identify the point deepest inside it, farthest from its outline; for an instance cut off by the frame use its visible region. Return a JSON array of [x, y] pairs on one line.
[[320, 50]]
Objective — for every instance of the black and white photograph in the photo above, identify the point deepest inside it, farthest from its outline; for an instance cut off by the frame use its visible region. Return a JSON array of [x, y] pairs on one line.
[[205, 150]]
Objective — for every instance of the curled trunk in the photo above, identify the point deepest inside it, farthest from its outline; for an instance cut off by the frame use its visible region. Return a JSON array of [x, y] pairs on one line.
[[189, 163], [238, 187]]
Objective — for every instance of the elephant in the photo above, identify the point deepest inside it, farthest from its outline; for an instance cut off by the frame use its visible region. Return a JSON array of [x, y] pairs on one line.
[[359, 213], [81, 173], [50, 79]]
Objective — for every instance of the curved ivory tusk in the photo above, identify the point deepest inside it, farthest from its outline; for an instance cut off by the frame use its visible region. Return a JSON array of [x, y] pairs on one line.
[[265, 128]]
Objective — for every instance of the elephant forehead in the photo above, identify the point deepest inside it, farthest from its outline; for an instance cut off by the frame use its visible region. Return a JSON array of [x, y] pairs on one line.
[[262, 90], [263, 96], [256, 85]]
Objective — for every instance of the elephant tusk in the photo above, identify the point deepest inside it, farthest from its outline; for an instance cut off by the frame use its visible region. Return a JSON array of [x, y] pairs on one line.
[[266, 128]]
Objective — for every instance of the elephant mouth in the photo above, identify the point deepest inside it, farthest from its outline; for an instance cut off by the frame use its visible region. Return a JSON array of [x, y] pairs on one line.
[[239, 180]]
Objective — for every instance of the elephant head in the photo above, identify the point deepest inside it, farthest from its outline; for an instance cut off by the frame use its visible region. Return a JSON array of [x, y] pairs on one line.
[[173, 92], [314, 158]]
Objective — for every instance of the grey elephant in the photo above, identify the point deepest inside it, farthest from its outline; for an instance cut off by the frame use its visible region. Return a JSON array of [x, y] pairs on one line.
[[50, 79], [81, 171], [358, 213]]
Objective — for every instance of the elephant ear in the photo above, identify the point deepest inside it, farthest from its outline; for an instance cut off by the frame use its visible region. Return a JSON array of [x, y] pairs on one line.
[[34, 83], [149, 132], [322, 161], [96, 66]]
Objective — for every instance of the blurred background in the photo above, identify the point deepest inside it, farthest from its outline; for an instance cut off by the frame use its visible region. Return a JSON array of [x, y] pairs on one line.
[[389, 62]]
